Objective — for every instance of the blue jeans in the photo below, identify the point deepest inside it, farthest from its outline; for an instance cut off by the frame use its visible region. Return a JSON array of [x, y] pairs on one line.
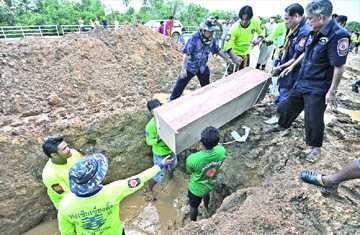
[[181, 82], [157, 159]]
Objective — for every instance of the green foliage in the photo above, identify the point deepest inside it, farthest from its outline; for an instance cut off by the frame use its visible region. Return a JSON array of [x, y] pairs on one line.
[[193, 15], [353, 26], [60, 12], [224, 14], [40, 12]]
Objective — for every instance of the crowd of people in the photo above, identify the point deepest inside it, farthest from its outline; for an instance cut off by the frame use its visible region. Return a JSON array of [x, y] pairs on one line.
[[311, 49]]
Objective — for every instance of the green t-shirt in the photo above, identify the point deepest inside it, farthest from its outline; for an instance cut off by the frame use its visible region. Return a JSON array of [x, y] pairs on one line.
[[99, 214], [160, 148], [354, 38], [239, 38], [54, 174], [278, 35], [204, 167]]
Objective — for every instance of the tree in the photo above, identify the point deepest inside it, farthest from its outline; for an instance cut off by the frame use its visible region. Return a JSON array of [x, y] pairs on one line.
[[193, 14], [353, 26]]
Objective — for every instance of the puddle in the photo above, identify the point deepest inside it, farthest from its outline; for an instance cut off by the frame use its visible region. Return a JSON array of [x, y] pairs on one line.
[[144, 217], [354, 114]]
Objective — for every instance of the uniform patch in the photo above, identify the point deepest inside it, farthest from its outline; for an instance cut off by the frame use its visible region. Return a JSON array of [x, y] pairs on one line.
[[309, 40], [302, 42], [211, 172], [133, 183], [343, 47], [323, 40]]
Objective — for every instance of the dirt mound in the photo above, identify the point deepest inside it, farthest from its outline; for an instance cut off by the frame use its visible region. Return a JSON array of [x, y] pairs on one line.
[[82, 75], [91, 88], [261, 186]]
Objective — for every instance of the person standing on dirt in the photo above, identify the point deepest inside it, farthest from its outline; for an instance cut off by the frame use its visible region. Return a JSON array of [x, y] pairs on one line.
[[204, 166], [326, 50], [159, 149], [196, 53], [219, 30], [81, 24], [240, 38], [330, 183], [161, 29], [55, 174], [294, 45], [93, 208], [266, 48], [169, 24], [92, 24]]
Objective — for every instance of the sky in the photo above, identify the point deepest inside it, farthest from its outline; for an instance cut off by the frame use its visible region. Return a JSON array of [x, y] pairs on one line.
[[266, 8]]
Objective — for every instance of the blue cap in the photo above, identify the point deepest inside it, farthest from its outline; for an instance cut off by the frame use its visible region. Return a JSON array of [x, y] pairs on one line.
[[87, 174]]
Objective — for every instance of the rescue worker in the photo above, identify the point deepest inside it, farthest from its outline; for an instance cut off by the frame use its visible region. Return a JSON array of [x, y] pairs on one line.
[[159, 149], [93, 208], [266, 48], [196, 53], [297, 31], [240, 38], [55, 174], [204, 167], [322, 67]]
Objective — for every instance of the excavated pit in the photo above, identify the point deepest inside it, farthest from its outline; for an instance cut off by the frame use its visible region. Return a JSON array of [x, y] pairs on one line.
[[92, 89]]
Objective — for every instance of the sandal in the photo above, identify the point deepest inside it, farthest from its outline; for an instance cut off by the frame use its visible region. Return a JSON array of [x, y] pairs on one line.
[[312, 177], [315, 179]]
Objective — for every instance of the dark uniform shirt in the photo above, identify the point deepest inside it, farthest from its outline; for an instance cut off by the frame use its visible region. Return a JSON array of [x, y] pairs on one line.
[[323, 51], [295, 49], [198, 53]]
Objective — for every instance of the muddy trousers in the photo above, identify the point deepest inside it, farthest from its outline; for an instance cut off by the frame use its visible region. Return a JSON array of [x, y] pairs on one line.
[[194, 202], [314, 108], [181, 82]]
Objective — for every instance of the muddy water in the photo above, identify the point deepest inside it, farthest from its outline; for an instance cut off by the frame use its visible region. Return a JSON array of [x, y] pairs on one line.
[[141, 216]]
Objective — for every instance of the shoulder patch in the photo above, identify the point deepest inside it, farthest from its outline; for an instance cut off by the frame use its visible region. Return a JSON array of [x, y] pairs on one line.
[[302, 42], [323, 40], [133, 183], [57, 188], [343, 47]]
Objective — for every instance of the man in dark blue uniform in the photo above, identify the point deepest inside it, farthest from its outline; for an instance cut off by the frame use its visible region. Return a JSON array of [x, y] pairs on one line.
[[326, 50], [297, 32]]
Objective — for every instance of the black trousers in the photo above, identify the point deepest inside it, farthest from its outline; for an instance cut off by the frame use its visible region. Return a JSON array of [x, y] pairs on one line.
[[314, 108], [181, 82]]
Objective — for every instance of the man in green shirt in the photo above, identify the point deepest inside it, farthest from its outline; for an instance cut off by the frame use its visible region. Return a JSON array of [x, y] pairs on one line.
[[93, 208], [240, 38], [159, 148], [56, 171], [204, 167]]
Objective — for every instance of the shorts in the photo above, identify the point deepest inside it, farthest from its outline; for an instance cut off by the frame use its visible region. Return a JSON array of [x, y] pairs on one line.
[[194, 200], [157, 159]]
